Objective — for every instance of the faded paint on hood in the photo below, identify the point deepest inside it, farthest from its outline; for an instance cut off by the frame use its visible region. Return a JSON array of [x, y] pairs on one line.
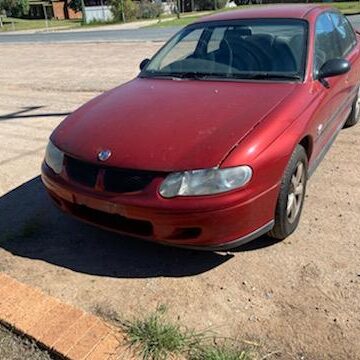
[[156, 124]]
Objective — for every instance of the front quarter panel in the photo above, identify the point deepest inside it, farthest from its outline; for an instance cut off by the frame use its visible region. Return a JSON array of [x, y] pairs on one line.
[[269, 147]]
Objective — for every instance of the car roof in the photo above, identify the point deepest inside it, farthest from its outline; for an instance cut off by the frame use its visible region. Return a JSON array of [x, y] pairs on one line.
[[292, 11]]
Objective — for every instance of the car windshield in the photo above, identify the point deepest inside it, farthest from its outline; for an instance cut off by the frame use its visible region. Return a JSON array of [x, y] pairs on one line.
[[258, 49]]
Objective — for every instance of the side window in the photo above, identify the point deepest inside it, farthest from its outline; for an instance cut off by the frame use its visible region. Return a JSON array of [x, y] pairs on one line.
[[326, 42], [215, 39], [345, 33]]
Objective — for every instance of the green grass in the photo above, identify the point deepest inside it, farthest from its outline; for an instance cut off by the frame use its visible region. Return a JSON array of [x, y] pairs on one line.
[[345, 7], [155, 338], [11, 24], [183, 21], [223, 352]]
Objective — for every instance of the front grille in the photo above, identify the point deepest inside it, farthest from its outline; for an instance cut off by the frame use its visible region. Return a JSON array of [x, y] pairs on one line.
[[82, 172], [114, 180], [127, 180]]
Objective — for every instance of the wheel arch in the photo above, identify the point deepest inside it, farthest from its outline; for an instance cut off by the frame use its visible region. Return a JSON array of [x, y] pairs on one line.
[[307, 143]]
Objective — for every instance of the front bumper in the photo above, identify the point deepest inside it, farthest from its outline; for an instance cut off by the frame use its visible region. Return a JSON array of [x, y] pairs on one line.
[[215, 226]]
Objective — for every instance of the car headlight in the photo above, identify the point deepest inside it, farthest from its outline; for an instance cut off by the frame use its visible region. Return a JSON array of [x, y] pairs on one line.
[[205, 182], [54, 158]]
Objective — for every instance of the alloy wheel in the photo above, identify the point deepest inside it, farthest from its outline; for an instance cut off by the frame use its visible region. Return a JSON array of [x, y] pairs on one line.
[[357, 105], [296, 192]]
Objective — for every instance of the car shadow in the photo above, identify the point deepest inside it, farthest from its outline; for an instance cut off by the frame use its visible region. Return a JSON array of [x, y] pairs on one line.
[[31, 227]]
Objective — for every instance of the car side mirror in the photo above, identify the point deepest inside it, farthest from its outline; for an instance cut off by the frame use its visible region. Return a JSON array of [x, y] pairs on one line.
[[334, 67], [144, 63]]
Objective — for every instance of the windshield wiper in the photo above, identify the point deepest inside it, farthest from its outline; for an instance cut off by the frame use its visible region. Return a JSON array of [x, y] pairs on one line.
[[156, 75], [178, 75], [191, 75], [267, 76], [197, 75]]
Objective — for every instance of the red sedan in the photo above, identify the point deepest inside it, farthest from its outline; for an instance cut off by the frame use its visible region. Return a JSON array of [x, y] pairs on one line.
[[212, 144]]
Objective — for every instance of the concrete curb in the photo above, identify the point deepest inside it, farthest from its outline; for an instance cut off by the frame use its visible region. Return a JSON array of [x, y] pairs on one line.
[[63, 329]]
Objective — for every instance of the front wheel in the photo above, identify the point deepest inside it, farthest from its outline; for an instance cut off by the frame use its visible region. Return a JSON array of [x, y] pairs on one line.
[[353, 118], [292, 194]]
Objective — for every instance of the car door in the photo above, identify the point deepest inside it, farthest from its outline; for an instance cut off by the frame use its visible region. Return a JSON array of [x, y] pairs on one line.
[[347, 40], [332, 93]]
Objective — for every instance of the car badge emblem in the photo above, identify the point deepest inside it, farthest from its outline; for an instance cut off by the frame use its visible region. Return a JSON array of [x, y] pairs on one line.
[[103, 155]]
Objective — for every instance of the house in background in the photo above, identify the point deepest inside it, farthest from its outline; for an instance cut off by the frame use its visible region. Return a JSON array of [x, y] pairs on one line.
[[37, 9], [54, 9], [63, 11], [97, 10]]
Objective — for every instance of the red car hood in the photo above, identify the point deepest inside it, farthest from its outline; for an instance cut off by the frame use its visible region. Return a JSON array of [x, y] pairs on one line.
[[167, 124]]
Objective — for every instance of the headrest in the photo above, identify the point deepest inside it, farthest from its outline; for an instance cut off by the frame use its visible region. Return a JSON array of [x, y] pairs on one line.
[[237, 33]]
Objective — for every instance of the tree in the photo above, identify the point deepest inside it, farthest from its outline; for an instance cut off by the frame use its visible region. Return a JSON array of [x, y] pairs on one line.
[[76, 5], [14, 8], [209, 4], [117, 8]]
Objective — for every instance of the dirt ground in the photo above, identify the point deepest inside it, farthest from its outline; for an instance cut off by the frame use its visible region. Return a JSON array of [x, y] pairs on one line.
[[300, 296], [15, 347]]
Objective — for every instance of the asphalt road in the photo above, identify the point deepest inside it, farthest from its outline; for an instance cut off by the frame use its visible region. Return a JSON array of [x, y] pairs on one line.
[[143, 34]]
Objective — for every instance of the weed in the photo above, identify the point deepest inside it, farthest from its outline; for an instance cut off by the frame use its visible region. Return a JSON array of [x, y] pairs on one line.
[[106, 312], [156, 339], [224, 352]]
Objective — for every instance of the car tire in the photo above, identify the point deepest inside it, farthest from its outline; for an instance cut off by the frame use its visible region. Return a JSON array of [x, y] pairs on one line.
[[292, 194], [353, 118]]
